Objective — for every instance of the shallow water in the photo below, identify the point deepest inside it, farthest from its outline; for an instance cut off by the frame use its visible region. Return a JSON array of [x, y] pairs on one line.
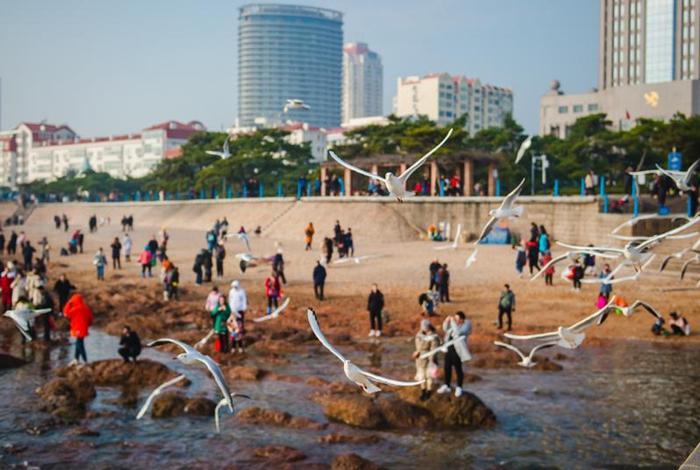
[[630, 405]]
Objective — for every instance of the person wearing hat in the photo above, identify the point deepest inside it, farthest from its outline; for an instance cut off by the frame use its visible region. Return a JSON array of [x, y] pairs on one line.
[[426, 340], [238, 301]]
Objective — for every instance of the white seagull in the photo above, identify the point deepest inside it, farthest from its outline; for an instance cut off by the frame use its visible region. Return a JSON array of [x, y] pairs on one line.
[[611, 279], [525, 361], [679, 254], [442, 348], [634, 220], [396, 185], [224, 154], [682, 179], [524, 147], [275, 313], [200, 344], [571, 337], [571, 255], [633, 252], [455, 242], [694, 260], [360, 377], [242, 236], [24, 319], [295, 104], [504, 211], [192, 356]]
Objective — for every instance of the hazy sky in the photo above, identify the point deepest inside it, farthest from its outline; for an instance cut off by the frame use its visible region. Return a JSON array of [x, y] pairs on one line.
[[110, 67]]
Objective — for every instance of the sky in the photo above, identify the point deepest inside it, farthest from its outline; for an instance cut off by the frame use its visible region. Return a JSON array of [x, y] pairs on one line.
[[114, 67]]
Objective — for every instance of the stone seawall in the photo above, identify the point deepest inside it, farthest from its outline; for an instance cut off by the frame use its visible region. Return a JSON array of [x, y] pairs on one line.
[[573, 219]]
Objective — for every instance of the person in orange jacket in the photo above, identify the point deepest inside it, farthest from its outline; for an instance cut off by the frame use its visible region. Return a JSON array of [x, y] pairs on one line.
[[80, 316]]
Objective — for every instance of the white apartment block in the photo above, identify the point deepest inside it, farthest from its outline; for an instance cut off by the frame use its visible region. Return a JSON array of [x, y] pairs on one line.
[[33, 152], [443, 98], [299, 132], [363, 74]]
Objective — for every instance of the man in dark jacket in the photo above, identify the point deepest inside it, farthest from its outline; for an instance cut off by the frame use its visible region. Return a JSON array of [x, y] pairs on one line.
[[444, 284], [375, 304], [319, 280], [130, 345], [28, 254], [328, 245], [45, 301], [220, 256], [207, 264], [63, 289], [197, 267], [506, 306]]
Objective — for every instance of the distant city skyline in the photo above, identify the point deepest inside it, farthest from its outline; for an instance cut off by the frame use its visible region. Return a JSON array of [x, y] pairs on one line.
[[108, 68]]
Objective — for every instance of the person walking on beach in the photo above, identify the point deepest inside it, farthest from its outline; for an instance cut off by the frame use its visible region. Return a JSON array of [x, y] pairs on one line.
[[444, 284], [533, 255], [605, 287], [375, 305], [80, 316], [577, 273], [426, 340], [309, 232], [349, 243], [328, 245], [272, 291], [220, 254], [520, 259], [28, 255], [506, 306], [197, 267], [126, 246], [220, 314], [116, 247], [145, 259], [319, 277], [434, 268], [549, 272], [456, 326], [278, 265], [12, 243], [45, 252], [129, 345], [65, 222], [100, 262], [207, 264]]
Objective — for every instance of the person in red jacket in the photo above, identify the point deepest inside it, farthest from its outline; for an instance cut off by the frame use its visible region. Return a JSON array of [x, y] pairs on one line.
[[80, 316], [272, 291]]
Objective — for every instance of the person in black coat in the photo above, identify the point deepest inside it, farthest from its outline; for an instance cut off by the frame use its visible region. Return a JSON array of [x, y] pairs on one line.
[[328, 244], [220, 256], [319, 276], [375, 304], [434, 268], [116, 253], [63, 289], [28, 254], [207, 264], [45, 302], [2, 241], [12, 244], [130, 345], [197, 267]]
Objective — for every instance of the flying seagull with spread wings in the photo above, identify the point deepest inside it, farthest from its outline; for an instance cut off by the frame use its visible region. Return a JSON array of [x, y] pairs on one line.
[[223, 154], [396, 185], [24, 319], [356, 375], [525, 361], [682, 179]]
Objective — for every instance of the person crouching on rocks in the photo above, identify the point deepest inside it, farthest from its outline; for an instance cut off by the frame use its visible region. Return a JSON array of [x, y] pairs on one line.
[[426, 340], [130, 345], [456, 326]]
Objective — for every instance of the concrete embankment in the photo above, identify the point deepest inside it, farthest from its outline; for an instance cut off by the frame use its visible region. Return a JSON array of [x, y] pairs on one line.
[[575, 219]]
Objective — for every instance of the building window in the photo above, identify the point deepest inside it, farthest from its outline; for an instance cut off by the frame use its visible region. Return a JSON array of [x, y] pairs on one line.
[[563, 109], [660, 20], [593, 107], [578, 108]]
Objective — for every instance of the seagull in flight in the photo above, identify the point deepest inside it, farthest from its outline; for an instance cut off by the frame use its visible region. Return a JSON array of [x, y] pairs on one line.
[[571, 255], [275, 313], [682, 179], [524, 147], [242, 236], [634, 252], [295, 104], [224, 154], [24, 319], [455, 242], [611, 279], [525, 361], [634, 220], [356, 375], [155, 393], [679, 254], [396, 185], [572, 336], [504, 211]]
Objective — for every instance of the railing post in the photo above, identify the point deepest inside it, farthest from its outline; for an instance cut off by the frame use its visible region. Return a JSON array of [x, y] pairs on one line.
[[498, 186], [202, 195], [605, 203], [688, 207], [245, 190], [261, 190], [636, 206], [601, 182], [279, 189], [342, 186], [441, 185], [583, 187], [298, 189], [556, 187]]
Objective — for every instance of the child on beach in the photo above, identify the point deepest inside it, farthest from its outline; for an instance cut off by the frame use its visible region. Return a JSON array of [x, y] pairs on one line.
[[549, 272]]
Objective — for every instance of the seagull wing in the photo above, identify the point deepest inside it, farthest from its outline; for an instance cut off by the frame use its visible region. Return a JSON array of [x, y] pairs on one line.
[[203, 341], [354, 168], [594, 250], [633, 221], [226, 148], [685, 267], [186, 347], [644, 172], [155, 393], [527, 143], [313, 321], [551, 263], [511, 347], [541, 346], [244, 237], [487, 228], [593, 319], [687, 178], [218, 377], [281, 308], [384, 380], [457, 235], [510, 198], [442, 348], [215, 153], [407, 174], [665, 261], [553, 336], [658, 238], [674, 175], [471, 259], [646, 307]]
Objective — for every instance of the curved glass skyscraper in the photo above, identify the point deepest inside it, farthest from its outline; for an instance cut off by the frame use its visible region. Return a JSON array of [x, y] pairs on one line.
[[289, 52]]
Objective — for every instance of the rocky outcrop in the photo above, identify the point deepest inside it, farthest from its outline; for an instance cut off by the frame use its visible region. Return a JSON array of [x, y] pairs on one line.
[[113, 372], [405, 410], [66, 398], [274, 454], [249, 373], [501, 360], [352, 462], [263, 416], [173, 404], [337, 438]]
